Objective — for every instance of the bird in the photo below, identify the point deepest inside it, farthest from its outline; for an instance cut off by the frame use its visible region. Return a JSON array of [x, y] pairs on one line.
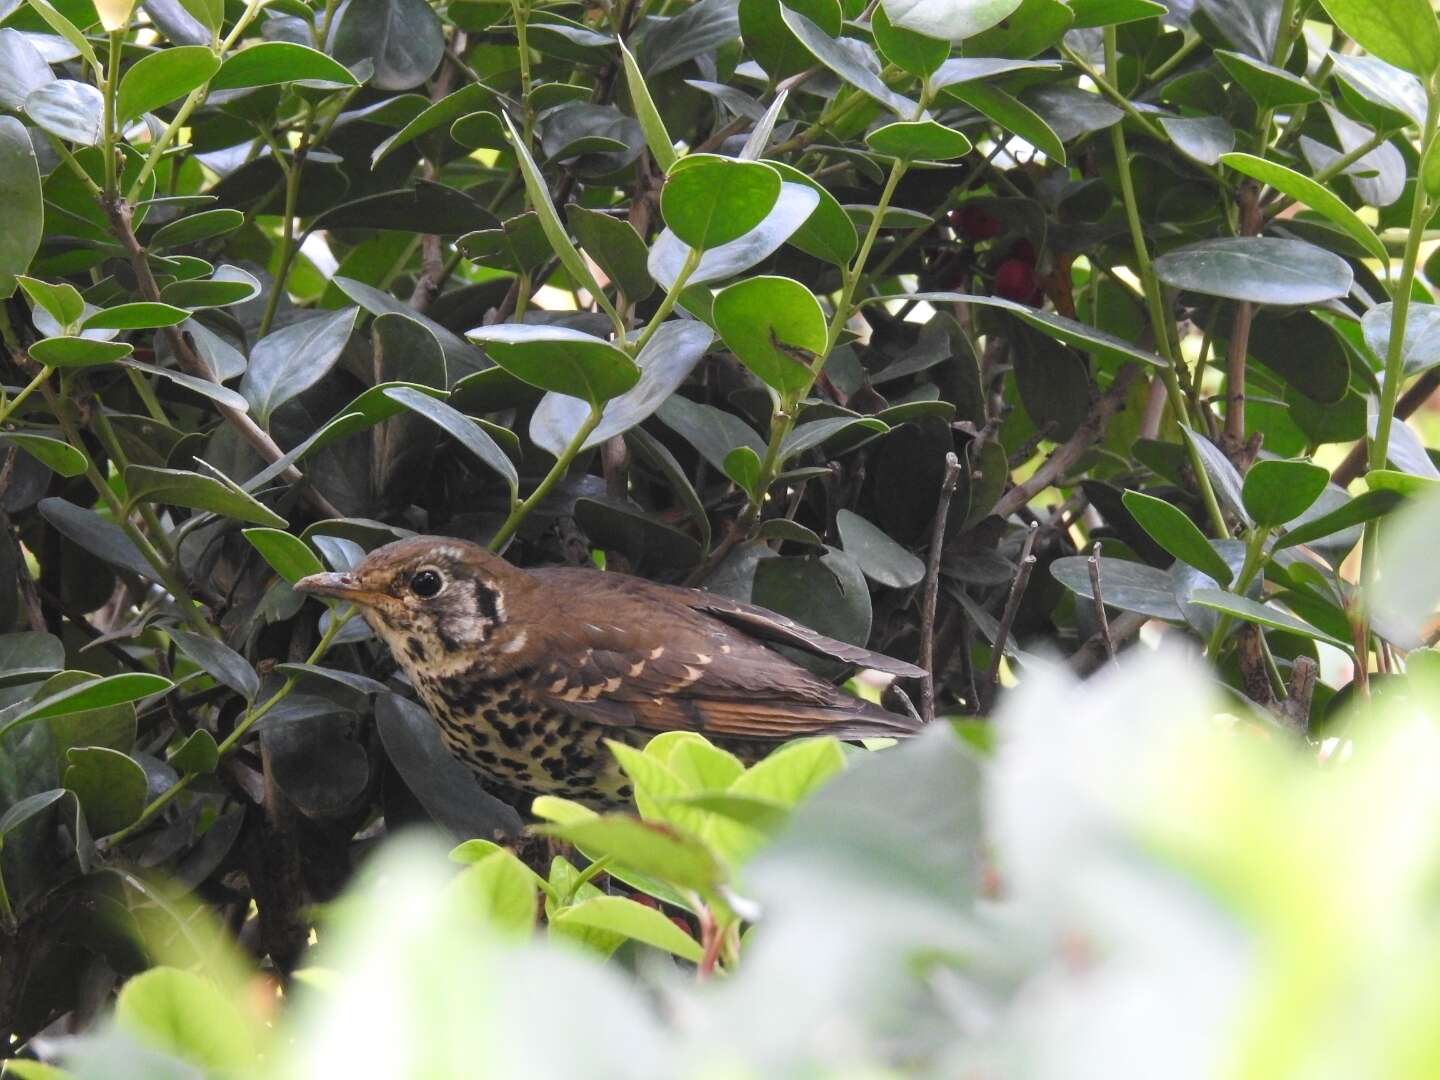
[[528, 672]]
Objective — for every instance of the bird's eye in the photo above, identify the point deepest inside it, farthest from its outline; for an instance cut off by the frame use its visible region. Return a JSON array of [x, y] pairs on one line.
[[426, 583]]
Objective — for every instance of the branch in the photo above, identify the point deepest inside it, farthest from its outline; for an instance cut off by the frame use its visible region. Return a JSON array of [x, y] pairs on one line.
[[1087, 659], [932, 587], [1007, 619], [1072, 449]]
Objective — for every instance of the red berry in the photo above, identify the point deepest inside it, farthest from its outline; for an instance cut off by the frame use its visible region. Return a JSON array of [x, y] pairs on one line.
[[1024, 250], [973, 223], [1015, 280]]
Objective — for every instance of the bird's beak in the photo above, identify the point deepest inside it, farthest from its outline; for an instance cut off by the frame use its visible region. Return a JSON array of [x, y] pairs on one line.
[[340, 586]]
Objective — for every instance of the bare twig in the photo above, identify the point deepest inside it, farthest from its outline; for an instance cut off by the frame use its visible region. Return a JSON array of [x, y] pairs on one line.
[[120, 224], [932, 587], [1007, 619], [1088, 658], [1099, 601], [1069, 452]]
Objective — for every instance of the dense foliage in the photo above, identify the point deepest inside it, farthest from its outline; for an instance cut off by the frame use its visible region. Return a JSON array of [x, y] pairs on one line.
[[977, 331]]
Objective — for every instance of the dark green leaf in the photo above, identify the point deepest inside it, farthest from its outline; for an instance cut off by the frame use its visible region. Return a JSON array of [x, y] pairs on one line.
[[20, 194], [1261, 269], [220, 662], [844, 59], [466, 431], [1173, 530], [197, 754], [289, 361], [1253, 611], [70, 110], [196, 227], [95, 694], [197, 491], [1128, 586], [1271, 87], [667, 255], [883, 560], [919, 54], [142, 315], [616, 247], [1362, 508], [468, 99], [55, 454], [78, 351], [918, 140], [110, 786], [1316, 196]]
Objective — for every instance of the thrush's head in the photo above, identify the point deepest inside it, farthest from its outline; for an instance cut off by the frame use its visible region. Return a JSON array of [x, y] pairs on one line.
[[438, 603]]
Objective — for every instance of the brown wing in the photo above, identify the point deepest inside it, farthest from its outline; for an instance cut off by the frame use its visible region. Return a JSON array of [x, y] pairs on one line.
[[687, 671], [769, 626]]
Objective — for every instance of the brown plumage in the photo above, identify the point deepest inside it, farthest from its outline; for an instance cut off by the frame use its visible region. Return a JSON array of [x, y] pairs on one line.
[[529, 671]]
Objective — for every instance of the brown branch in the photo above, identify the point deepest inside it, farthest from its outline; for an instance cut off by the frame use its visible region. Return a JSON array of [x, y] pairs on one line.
[[1294, 711], [1088, 658], [120, 223], [1098, 599], [1072, 449], [1252, 222], [1007, 618], [932, 587]]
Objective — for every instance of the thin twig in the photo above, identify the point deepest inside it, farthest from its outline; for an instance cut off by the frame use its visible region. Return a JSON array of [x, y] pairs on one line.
[[1069, 452], [1012, 606], [932, 587], [1087, 659], [1099, 600]]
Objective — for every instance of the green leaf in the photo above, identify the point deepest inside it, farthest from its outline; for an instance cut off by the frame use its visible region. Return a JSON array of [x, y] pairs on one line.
[[275, 63], [742, 465], [142, 315], [287, 362], [29, 657], [1277, 491], [55, 454], [228, 285], [949, 21], [845, 59], [811, 434], [1360, 509], [1420, 350], [559, 359], [66, 29], [196, 227], [466, 431], [1271, 87], [403, 39], [468, 99], [1316, 196], [110, 786], [94, 694], [1098, 343], [1092, 13], [21, 195], [918, 140], [616, 247], [1223, 477], [178, 487], [1173, 530], [1205, 139], [827, 233], [61, 302], [646, 847], [1261, 269], [222, 663], [1129, 586], [162, 77], [501, 891], [776, 328], [621, 915], [69, 110], [881, 559], [665, 362], [1400, 32], [199, 754], [78, 352], [1012, 114], [22, 811], [919, 54], [288, 555], [708, 201], [537, 191], [191, 1017], [1253, 611], [662, 147]]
